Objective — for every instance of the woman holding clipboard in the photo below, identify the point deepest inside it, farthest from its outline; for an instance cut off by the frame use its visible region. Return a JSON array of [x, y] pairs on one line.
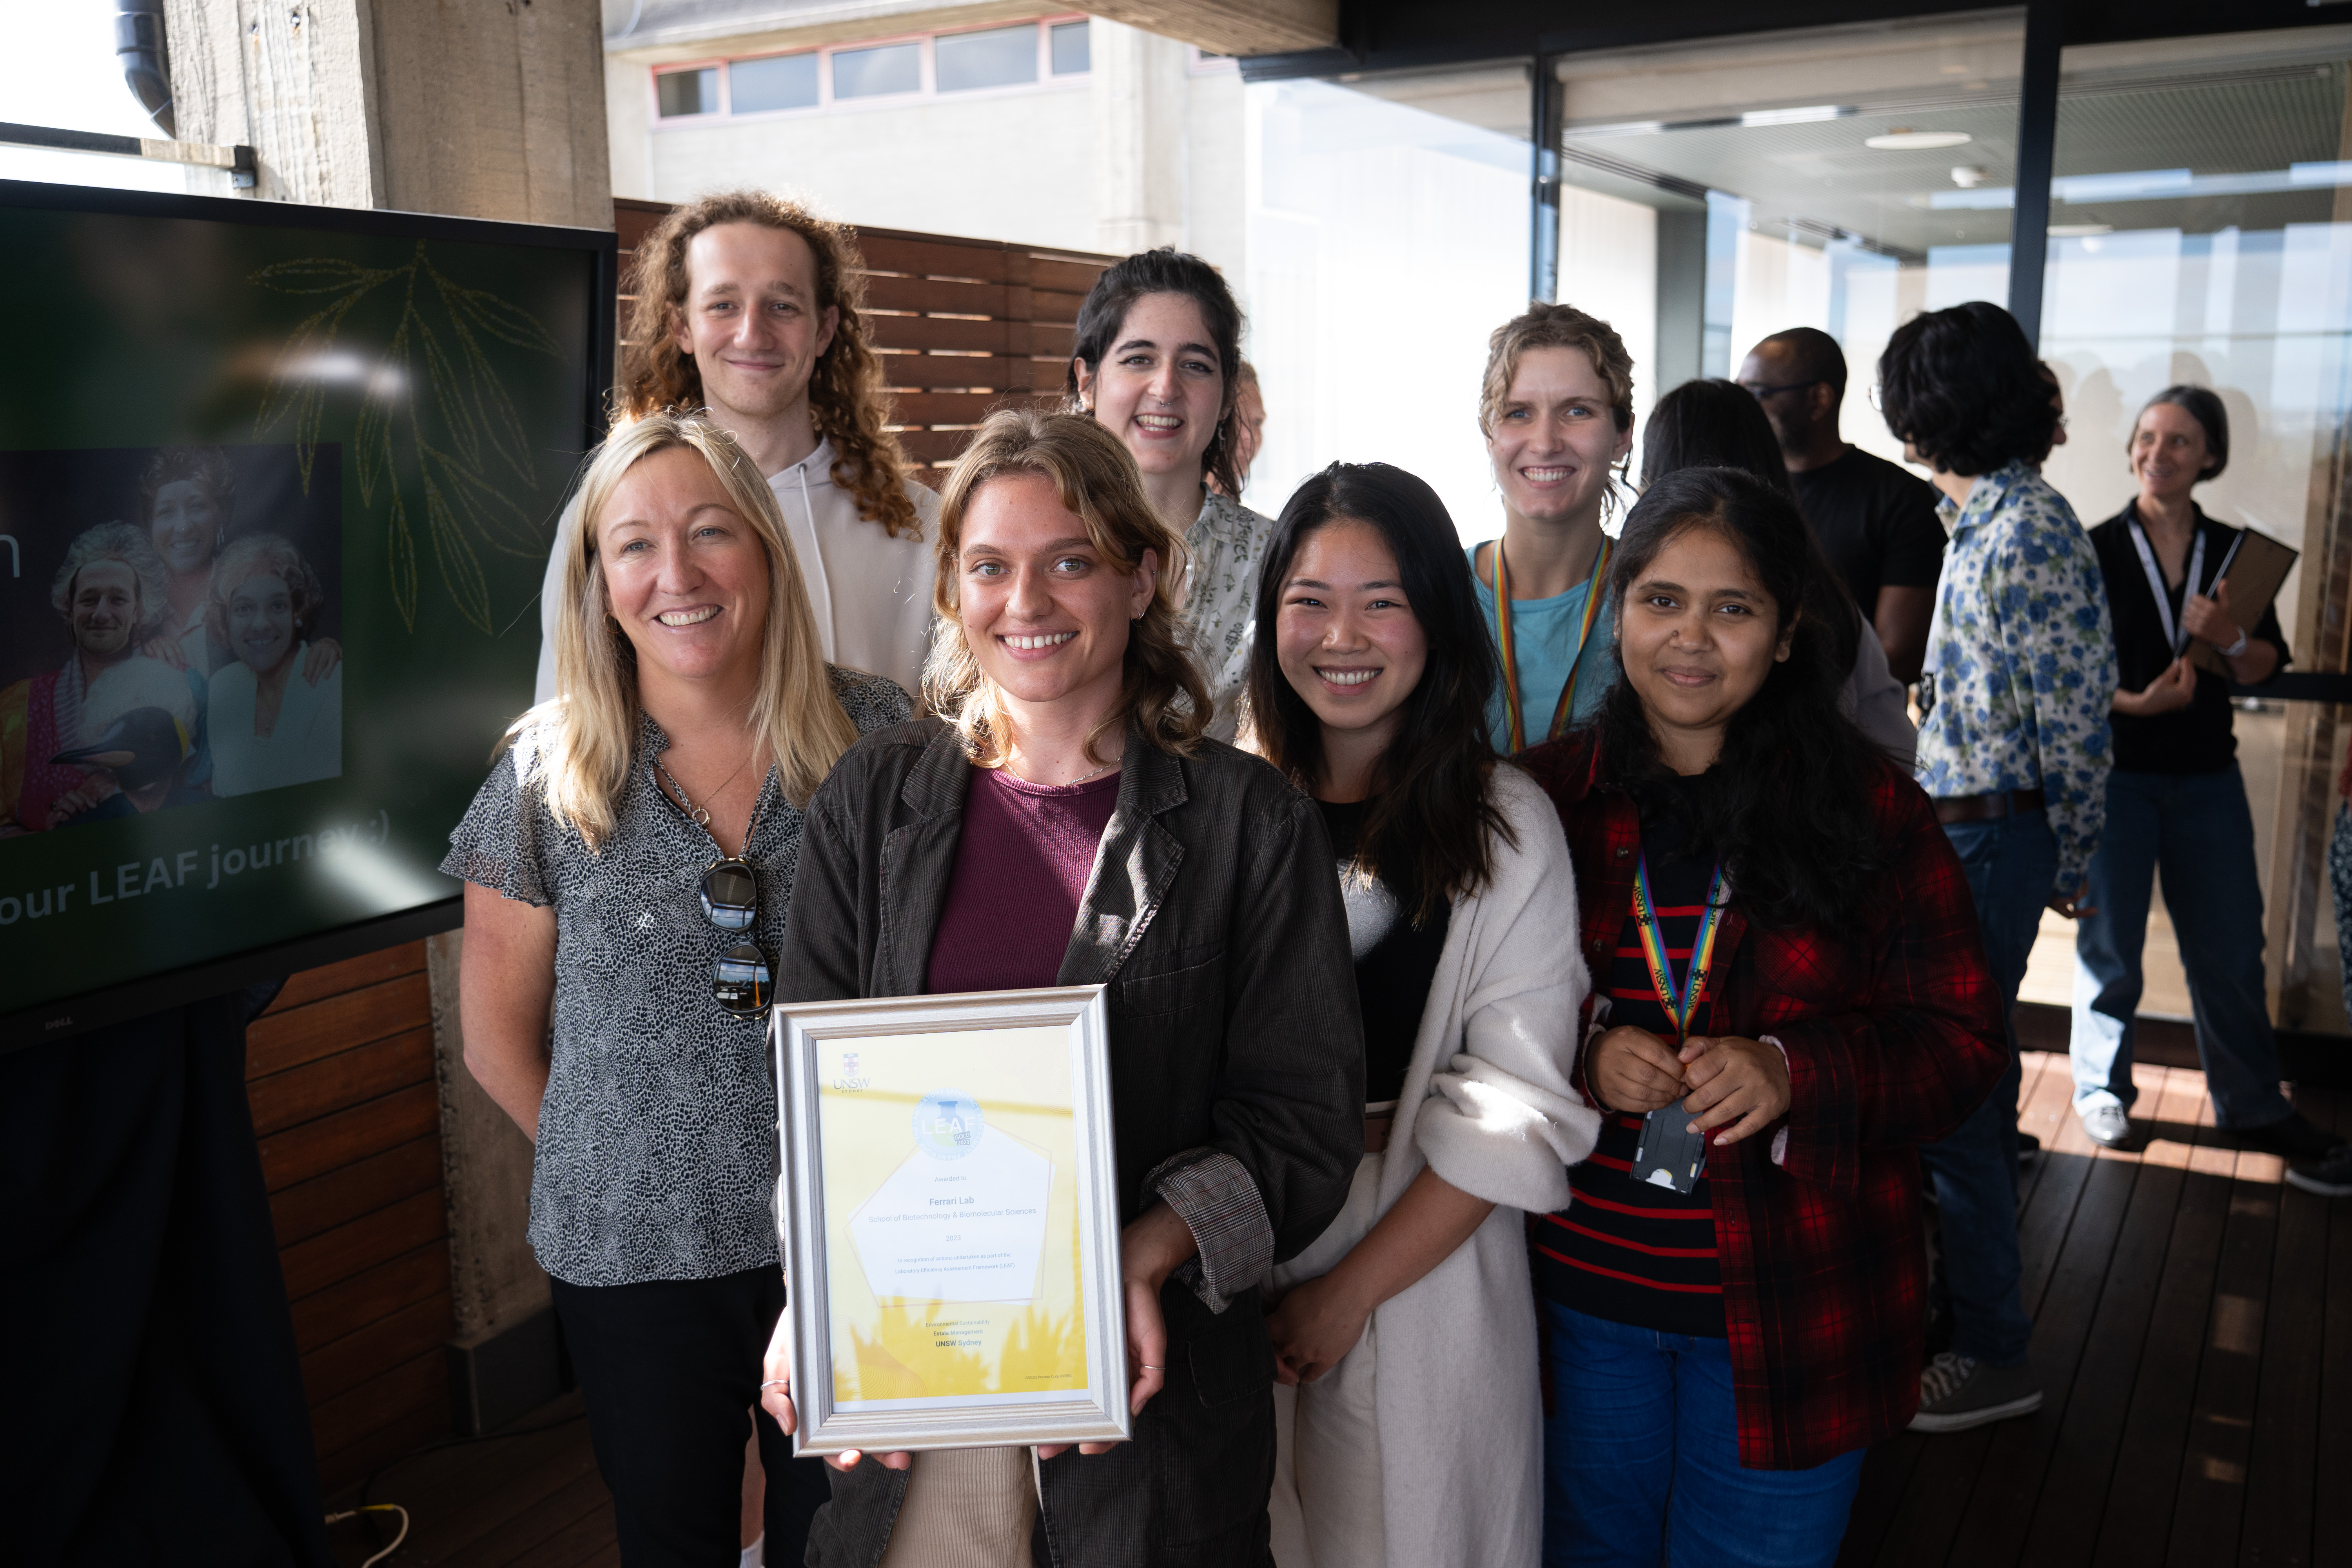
[[2175, 798], [1791, 995]]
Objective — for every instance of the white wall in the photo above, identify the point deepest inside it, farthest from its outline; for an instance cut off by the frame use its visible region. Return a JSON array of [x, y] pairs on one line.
[[1016, 166]]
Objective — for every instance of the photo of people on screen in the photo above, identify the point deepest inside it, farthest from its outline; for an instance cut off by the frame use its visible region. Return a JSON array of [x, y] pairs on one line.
[[184, 656]]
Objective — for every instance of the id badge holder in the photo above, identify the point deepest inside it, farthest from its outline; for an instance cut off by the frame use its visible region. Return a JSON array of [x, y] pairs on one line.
[[1669, 1154]]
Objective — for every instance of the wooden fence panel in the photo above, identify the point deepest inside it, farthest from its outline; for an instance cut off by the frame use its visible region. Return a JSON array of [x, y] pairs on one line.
[[339, 1075]]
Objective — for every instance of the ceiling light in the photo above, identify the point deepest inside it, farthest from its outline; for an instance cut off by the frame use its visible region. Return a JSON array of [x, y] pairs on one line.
[[2080, 230], [1902, 139]]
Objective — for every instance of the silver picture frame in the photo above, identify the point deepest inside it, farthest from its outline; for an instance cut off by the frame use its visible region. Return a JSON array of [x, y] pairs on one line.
[[829, 1295]]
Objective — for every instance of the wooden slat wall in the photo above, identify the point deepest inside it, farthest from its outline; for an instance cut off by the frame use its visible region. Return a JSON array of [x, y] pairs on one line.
[[963, 325], [339, 1075]]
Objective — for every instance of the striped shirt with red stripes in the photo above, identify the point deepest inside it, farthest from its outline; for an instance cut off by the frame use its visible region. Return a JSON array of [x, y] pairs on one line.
[[1623, 1250]]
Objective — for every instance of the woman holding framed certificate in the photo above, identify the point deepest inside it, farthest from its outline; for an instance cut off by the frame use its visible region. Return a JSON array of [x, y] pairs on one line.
[[1066, 824], [1791, 996], [628, 864], [1408, 1329]]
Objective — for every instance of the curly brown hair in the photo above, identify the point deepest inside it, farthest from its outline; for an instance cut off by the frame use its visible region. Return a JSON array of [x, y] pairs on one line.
[[1096, 479], [845, 396], [1550, 326]]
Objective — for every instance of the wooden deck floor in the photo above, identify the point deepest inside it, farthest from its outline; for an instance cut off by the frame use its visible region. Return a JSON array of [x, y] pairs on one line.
[[2192, 1327], [530, 1498], [2193, 1330]]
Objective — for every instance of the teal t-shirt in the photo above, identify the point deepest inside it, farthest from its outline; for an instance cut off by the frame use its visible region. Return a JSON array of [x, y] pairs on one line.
[[1544, 632]]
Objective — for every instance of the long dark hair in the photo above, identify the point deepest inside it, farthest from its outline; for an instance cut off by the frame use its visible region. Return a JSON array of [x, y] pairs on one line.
[[1787, 806], [1432, 809], [1720, 425], [1166, 270]]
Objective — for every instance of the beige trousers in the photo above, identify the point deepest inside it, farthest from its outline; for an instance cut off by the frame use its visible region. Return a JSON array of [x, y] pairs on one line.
[[1326, 1502], [966, 1508]]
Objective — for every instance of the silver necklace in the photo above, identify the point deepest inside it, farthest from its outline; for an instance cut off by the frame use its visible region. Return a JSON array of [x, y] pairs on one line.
[[698, 814]]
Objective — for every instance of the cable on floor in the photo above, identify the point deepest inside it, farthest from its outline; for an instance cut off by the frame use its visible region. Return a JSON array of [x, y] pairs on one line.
[[376, 1507]]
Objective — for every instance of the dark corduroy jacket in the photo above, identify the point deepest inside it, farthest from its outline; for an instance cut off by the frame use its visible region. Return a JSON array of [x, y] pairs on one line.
[[1213, 916]]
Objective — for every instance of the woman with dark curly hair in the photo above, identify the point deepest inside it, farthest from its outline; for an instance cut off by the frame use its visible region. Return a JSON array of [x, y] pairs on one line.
[[1157, 360], [1786, 965], [751, 308]]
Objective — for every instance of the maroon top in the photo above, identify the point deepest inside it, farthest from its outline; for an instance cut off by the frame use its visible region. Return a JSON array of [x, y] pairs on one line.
[[1021, 872]]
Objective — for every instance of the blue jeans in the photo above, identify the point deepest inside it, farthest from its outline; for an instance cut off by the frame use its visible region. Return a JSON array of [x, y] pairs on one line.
[[1642, 1460], [2011, 864], [2196, 828]]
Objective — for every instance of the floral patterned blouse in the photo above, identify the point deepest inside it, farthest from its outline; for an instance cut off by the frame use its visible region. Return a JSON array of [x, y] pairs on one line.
[[1227, 543], [2023, 660]]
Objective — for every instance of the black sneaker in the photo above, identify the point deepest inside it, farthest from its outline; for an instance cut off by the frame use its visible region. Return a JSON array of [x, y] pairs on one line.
[[2029, 1148], [1957, 1394], [2290, 1137], [2330, 1177]]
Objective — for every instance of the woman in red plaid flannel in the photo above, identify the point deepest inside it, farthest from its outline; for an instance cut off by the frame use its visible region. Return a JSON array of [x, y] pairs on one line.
[[1790, 994]]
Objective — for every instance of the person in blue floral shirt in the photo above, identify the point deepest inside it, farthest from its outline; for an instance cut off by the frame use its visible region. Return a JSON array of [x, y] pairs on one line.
[[2021, 672]]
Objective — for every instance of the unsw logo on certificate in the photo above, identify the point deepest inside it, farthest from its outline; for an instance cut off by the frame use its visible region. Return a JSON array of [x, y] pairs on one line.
[[963, 1217]]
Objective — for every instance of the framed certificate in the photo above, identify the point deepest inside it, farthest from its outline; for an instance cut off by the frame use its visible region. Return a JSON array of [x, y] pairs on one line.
[[948, 1209]]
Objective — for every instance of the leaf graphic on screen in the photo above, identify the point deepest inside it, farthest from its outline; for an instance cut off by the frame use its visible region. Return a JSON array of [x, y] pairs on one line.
[[438, 436]]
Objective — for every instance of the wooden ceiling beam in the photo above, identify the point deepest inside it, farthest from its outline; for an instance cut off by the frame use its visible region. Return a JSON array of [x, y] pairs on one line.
[[1232, 26]]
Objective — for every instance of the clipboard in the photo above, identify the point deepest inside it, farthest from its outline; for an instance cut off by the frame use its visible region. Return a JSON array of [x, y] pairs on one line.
[[2257, 564]]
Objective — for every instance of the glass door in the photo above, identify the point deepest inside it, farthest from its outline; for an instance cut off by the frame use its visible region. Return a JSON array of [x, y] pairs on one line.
[[1842, 178], [2200, 232]]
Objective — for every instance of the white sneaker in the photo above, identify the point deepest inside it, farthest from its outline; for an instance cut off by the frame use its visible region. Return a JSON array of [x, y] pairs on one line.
[[2106, 1124]]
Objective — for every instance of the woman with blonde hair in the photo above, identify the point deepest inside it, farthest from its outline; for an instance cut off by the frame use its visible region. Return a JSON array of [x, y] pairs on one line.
[[1065, 822], [629, 863], [1556, 407]]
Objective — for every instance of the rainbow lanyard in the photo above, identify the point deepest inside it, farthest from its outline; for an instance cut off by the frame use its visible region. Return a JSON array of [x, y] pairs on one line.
[[1510, 659], [1680, 1005]]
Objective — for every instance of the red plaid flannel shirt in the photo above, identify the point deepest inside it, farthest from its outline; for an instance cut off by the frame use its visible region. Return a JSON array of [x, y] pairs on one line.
[[1894, 1034]]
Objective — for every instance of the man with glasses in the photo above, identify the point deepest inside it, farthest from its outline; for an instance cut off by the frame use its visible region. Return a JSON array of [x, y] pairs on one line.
[[1876, 523]]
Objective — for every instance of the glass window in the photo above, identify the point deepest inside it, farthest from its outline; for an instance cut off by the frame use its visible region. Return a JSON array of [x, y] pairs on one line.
[[688, 93], [1071, 56], [2200, 232], [778, 81], [885, 68], [1387, 238], [1000, 56], [1840, 178]]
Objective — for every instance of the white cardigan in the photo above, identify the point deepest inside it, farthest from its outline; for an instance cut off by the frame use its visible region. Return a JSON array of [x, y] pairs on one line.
[[1487, 1103]]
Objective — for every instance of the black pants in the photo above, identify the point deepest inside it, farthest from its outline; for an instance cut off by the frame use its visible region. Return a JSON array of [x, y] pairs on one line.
[[669, 1369]]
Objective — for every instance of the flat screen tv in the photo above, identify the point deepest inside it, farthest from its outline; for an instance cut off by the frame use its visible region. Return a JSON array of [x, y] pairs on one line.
[[277, 489]]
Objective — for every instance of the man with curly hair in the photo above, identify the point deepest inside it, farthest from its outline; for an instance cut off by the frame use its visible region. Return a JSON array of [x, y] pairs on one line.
[[752, 306], [2021, 666]]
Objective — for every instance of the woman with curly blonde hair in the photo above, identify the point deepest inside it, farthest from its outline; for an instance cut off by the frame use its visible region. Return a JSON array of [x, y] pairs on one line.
[[751, 308], [1064, 821]]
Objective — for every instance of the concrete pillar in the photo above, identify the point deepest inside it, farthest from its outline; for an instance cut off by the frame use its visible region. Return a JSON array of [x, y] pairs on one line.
[[489, 108], [1138, 80], [477, 108]]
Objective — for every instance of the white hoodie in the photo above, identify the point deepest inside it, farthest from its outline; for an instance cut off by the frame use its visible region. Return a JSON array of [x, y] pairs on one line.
[[870, 592]]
